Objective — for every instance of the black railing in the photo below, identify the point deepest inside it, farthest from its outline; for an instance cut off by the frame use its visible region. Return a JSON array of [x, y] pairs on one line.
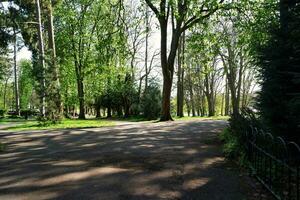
[[275, 163]]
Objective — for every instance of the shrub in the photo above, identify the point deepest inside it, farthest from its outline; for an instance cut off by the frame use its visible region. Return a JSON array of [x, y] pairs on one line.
[[151, 102], [231, 146], [234, 136], [28, 113], [2, 113]]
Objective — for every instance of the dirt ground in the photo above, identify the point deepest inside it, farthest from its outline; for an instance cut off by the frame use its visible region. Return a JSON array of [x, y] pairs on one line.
[[139, 161]]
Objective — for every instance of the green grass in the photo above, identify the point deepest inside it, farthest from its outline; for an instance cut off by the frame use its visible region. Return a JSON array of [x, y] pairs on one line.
[[22, 124], [9, 120], [203, 118], [137, 118], [64, 124]]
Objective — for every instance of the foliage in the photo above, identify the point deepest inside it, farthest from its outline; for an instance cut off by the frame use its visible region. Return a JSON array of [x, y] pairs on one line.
[[279, 62], [2, 113], [231, 146], [234, 136], [26, 113], [26, 84], [151, 102]]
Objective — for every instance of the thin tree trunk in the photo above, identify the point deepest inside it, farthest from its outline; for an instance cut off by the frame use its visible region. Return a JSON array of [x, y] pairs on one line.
[[226, 99], [222, 104], [179, 83], [17, 99], [146, 48], [42, 60], [4, 95], [109, 112]]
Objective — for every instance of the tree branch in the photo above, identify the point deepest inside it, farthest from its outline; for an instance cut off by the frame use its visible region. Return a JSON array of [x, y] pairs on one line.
[[153, 8], [193, 20]]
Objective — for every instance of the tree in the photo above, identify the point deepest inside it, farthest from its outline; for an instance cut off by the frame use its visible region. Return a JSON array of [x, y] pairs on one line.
[[180, 76], [16, 83], [183, 14], [5, 72], [26, 85], [54, 103], [279, 66], [78, 36], [151, 101], [41, 58]]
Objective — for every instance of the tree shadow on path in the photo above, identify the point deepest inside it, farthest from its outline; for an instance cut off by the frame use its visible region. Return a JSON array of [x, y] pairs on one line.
[[168, 160]]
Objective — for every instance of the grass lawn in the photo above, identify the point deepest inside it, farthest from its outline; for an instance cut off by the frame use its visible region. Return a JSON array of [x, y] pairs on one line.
[[66, 123], [9, 120], [21, 124]]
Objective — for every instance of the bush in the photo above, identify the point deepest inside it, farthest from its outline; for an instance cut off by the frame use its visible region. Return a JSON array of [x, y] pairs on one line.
[[151, 102], [234, 136], [2, 113], [231, 146], [28, 113]]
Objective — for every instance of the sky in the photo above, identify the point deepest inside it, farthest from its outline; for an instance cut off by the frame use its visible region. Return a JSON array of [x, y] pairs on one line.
[[24, 53]]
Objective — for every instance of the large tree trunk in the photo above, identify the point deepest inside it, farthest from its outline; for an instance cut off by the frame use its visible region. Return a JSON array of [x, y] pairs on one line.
[[167, 74], [80, 89], [81, 98], [98, 108], [211, 107], [167, 63], [42, 59], [166, 107], [210, 98], [16, 83]]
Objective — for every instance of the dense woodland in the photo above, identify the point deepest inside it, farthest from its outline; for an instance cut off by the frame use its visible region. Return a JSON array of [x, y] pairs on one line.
[[154, 58]]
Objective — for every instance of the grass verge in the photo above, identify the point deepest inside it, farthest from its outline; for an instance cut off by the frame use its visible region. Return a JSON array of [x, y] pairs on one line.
[[64, 124]]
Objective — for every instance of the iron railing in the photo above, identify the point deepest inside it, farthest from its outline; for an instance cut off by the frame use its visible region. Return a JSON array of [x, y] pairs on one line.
[[275, 163]]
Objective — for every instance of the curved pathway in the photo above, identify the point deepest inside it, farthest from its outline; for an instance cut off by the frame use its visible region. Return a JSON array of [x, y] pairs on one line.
[[139, 161]]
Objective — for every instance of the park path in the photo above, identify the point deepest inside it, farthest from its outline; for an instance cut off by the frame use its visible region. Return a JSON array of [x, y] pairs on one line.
[[136, 161]]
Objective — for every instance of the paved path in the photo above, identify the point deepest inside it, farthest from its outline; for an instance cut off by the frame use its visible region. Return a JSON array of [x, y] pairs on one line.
[[142, 161]]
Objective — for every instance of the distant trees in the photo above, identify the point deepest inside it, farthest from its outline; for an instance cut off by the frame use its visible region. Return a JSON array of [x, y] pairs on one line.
[[219, 72], [5, 74], [98, 58], [183, 15]]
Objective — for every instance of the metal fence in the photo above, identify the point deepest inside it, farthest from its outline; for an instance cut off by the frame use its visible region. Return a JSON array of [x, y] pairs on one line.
[[275, 163]]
